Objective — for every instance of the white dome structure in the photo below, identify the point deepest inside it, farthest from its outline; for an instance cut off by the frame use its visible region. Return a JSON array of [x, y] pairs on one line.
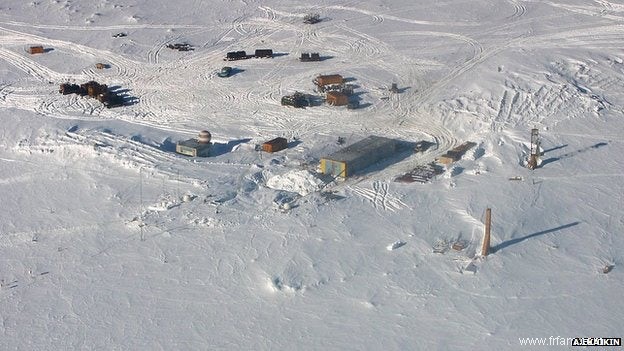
[[204, 137]]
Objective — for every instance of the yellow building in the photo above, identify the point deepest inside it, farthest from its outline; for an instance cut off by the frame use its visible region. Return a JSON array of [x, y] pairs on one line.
[[358, 156]]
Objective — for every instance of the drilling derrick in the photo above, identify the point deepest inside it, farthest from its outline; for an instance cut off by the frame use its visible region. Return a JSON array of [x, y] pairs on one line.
[[535, 149]]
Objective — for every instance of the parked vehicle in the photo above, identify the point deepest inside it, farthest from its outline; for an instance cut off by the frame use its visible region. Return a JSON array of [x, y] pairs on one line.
[[295, 100], [312, 18], [225, 72], [263, 53]]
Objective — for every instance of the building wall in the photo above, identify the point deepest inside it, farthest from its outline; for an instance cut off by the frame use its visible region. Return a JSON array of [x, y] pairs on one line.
[[185, 150], [359, 156], [193, 148], [203, 152], [337, 99], [334, 168], [36, 50], [329, 79], [275, 145], [445, 160]]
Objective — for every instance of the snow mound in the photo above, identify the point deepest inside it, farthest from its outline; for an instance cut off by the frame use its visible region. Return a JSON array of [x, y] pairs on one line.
[[301, 182]]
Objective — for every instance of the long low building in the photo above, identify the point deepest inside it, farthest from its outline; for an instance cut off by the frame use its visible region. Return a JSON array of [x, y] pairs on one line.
[[456, 153], [358, 156]]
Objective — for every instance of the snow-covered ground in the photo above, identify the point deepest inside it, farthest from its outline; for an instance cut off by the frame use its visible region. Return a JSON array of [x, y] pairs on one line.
[[110, 240]]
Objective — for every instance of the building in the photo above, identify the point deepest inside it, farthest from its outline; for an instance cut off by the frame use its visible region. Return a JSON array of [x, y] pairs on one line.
[[275, 145], [199, 147], [456, 153], [336, 98], [38, 49], [328, 80], [358, 156]]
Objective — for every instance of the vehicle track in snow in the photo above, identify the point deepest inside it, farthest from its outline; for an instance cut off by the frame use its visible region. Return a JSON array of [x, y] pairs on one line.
[[90, 28], [385, 16], [154, 111], [31, 67], [519, 10], [130, 153], [605, 9], [125, 68], [379, 196]]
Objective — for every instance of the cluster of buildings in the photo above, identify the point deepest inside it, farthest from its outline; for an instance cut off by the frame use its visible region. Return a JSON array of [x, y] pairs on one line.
[[337, 93], [95, 90]]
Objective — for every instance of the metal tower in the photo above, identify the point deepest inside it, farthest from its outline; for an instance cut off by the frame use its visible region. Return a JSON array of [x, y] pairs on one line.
[[535, 149], [485, 248]]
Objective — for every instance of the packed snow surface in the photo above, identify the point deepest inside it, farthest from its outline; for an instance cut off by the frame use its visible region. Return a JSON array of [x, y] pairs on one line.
[[302, 182], [109, 240]]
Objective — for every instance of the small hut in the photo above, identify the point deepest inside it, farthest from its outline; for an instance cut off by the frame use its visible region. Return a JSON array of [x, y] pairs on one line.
[[199, 147], [275, 145], [456, 153], [336, 98], [330, 79], [35, 49]]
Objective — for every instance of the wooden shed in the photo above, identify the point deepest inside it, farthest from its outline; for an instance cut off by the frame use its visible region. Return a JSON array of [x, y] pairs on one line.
[[100, 65], [36, 49], [328, 80], [275, 145], [456, 153], [336, 98]]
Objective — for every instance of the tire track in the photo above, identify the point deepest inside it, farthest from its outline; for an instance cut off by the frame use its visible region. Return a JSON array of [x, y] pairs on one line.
[[367, 44], [125, 68], [379, 196], [402, 19], [90, 28], [33, 68], [519, 10]]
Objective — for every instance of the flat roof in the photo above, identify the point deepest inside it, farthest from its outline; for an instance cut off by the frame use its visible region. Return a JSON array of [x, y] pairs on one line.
[[362, 148], [193, 143], [336, 94]]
